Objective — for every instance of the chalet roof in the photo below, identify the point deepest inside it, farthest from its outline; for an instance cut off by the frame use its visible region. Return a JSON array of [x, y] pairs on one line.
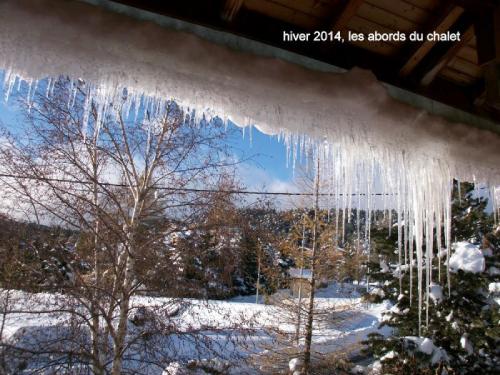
[[461, 74]]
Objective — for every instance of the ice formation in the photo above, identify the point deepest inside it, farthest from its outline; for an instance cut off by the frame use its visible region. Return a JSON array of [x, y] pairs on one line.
[[367, 142]]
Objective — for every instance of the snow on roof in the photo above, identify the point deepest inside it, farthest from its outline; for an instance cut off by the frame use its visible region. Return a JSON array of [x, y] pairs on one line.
[[467, 257], [297, 273]]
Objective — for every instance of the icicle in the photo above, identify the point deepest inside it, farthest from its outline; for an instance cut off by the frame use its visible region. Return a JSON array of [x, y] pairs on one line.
[[493, 200], [405, 231], [86, 113], [8, 84], [411, 239], [250, 133], [448, 238], [418, 213], [358, 217], [459, 186], [439, 241], [337, 217], [370, 148], [398, 198], [47, 90]]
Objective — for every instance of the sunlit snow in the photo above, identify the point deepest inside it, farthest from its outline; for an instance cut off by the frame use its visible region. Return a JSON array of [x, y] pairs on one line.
[[366, 141]]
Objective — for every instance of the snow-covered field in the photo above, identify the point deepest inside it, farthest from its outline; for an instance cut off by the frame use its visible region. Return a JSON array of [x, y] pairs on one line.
[[233, 331]]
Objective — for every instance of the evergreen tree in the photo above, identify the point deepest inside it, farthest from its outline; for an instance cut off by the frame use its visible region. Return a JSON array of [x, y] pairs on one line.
[[462, 334], [381, 263]]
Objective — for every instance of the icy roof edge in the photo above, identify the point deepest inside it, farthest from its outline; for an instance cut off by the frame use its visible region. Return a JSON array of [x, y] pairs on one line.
[[243, 44]]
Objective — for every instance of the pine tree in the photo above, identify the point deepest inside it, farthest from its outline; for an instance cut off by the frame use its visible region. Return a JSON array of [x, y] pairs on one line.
[[465, 324], [381, 263], [462, 336]]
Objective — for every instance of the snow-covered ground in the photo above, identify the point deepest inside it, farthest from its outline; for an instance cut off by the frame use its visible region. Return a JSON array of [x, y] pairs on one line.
[[224, 329]]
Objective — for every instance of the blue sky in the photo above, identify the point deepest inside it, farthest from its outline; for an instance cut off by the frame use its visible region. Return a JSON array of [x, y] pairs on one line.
[[8, 113], [265, 169], [267, 164], [266, 151]]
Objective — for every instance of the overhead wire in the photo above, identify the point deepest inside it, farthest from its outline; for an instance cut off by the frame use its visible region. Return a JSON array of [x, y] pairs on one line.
[[180, 189]]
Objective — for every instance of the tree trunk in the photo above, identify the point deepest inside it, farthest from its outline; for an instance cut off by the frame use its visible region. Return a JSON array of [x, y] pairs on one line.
[[299, 304], [125, 286], [97, 340], [257, 287], [124, 307], [310, 310]]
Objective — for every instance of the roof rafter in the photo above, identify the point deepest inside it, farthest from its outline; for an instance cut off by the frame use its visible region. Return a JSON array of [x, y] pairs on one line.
[[487, 26], [450, 13], [447, 57], [231, 9], [348, 11]]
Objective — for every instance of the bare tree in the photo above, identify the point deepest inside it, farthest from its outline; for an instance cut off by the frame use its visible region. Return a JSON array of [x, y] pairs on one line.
[[123, 185]]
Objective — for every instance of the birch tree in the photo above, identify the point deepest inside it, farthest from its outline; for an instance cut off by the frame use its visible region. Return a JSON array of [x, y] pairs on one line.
[[122, 184]]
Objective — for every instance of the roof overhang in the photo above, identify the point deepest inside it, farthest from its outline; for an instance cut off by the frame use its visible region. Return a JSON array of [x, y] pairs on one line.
[[257, 33]]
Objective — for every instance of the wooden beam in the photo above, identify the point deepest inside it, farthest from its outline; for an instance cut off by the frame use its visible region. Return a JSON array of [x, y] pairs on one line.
[[492, 84], [442, 25], [487, 24], [348, 11], [476, 4], [447, 57], [231, 9]]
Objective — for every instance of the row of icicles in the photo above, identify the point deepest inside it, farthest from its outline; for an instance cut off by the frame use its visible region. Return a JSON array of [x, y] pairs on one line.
[[417, 203], [357, 176]]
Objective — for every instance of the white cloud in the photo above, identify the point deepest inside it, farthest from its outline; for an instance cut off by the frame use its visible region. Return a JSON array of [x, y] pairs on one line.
[[255, 178]]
